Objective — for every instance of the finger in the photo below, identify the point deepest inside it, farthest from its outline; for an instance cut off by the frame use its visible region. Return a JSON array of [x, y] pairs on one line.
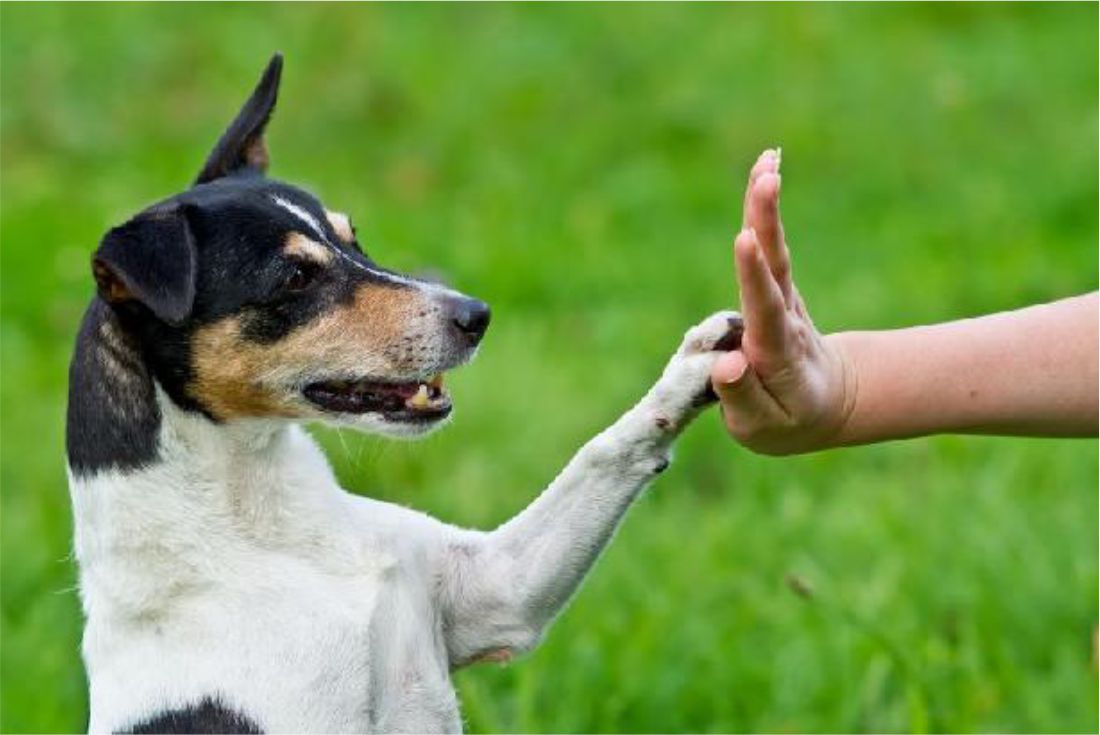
[[746, 406], [763, 216], [728, 368], [762, 304], [799, 306], [768, 161]]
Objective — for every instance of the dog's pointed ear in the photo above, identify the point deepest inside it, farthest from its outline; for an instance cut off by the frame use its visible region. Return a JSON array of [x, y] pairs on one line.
[[150, 260], [242, 145]]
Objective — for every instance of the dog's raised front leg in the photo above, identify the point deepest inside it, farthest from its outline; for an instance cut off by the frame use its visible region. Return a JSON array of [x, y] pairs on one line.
[[500, 589]]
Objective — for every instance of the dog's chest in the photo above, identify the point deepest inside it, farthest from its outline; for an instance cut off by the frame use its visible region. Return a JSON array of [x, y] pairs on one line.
[[294, 647], [357, 653], [301, 607]]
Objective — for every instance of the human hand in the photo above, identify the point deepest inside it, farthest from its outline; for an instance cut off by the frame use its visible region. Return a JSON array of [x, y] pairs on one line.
[[788, 389]]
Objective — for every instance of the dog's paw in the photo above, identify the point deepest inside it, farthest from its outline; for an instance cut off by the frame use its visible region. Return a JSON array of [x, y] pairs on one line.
[[684, 386], [720, 332]]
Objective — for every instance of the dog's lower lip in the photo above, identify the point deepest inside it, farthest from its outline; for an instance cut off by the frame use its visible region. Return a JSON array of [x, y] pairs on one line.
[[420, 400]]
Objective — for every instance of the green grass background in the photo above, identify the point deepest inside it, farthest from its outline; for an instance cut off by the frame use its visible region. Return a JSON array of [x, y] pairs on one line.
[[581, 168]]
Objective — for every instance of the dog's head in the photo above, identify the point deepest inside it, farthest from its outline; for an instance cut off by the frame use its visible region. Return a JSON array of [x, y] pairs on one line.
[[250, 299]]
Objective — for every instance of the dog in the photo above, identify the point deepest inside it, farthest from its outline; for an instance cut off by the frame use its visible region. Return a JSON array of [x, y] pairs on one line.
[[228, 583]]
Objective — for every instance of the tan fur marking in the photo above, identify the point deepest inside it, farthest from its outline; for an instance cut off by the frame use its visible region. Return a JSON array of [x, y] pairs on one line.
[[255, 153], [301, 246], [111, 286], [341, 225], [236, 378], [229, 372]]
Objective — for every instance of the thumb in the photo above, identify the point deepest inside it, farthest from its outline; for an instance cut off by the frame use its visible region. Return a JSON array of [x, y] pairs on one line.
[[728, 369], [747, 407]]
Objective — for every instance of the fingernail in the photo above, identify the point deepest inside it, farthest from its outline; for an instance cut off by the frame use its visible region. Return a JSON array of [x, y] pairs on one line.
[[778, 157]]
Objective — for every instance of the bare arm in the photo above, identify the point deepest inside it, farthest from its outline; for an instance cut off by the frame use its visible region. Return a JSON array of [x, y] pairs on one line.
[[791, 390], [1031, 372]]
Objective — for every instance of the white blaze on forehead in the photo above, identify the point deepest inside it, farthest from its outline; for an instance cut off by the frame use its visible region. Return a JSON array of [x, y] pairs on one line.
[[301, 214], [314, 225]]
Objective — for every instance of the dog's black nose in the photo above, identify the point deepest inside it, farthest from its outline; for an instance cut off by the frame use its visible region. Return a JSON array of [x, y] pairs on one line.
[[471, 317]]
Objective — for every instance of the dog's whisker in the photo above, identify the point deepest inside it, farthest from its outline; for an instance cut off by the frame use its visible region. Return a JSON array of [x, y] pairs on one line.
[[343, 442]]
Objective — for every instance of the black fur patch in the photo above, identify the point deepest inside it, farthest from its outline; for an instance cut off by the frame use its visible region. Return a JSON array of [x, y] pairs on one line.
[[150, 259], [242, 145], [231, 233], [239, 233], [208, 716], [113, 417]]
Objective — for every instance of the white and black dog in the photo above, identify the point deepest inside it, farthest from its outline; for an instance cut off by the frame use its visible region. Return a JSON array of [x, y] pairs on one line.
[[229, 583]]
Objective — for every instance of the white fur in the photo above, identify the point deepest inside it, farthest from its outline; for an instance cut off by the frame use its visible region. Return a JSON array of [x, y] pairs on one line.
[[311, 222], [236, 566], [302, 214]]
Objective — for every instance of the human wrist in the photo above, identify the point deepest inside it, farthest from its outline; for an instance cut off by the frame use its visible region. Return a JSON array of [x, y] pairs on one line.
[[889, 390], [840, 348]]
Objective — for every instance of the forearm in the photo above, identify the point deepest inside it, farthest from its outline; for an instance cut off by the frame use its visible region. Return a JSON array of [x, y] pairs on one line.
[[502, 588], [1028, 372], [555, 540], [511, 582]]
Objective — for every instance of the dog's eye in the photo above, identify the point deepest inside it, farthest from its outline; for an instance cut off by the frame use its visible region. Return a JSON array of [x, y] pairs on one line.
[[301, 276]]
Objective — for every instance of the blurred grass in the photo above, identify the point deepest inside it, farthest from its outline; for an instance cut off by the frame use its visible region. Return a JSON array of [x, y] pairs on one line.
[[580, 167]]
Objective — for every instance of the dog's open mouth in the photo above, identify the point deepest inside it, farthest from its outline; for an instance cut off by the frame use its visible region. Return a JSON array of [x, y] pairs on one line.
[[411, 401]]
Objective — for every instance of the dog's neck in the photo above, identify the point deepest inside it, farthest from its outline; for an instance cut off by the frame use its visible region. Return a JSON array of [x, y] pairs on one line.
[[223, 453], [152, 480]]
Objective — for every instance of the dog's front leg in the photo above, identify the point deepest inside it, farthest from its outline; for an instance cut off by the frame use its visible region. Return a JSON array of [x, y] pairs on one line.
[[499, 590]]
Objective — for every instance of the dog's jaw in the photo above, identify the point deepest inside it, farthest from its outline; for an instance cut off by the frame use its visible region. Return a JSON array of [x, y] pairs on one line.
[[378, 424]]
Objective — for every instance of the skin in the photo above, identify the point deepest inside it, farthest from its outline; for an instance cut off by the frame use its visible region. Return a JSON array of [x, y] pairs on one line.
[[791, 390]]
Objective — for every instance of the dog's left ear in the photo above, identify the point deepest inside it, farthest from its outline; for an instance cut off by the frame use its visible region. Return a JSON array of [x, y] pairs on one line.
[[242, 145], [150, 260]]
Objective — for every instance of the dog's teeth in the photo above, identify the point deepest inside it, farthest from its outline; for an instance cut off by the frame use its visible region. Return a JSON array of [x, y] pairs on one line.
[[420, 400]]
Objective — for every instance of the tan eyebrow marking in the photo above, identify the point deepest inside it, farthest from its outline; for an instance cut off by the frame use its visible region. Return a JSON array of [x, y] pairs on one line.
[[301, 246], [341, 225]]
